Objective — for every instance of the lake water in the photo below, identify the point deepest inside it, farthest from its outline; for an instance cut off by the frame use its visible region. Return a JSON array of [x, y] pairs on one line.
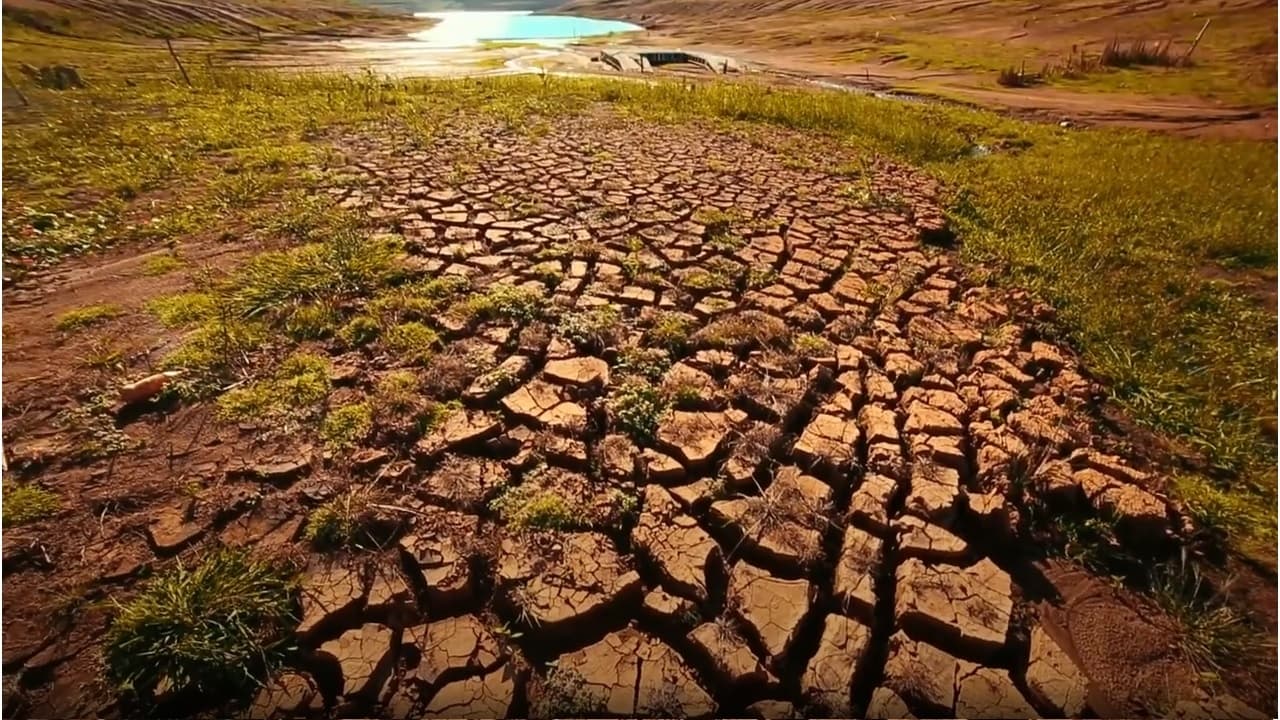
[[467, 28]]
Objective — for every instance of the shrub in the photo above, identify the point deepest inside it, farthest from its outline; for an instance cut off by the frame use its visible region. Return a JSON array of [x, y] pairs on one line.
[[87, 316], [643, 362], [744, 330], [211, 628], [502, 302], [27, 503]]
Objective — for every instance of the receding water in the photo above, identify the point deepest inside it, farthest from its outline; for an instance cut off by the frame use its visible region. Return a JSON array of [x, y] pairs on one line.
[[466, 28]]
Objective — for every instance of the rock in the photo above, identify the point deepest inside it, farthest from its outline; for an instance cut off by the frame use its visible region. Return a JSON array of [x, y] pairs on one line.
[[452, 647], [773, 710], [465, 483], [584, 372], [460, 428], [618, 458], [665, 609], [681, 550], [332, 593], [365, 657], [886, 705], [984, 693], [438, 549], [634, 674], [288, 694], [279, 472], [828, 681], [772, 607], [491, 384], [869, 506], [541, 404], [878, 424], [856, 571], [921, 674], [661, 468], [965, 608], [1141, 517], [488, 696], [694, 437], [1047, 356], [1053, 679], [828, 440], [928, 542], [934, 492], [994, 515], [730, 658], [925, 419], [170, 531], [561, 579], [782, 527]]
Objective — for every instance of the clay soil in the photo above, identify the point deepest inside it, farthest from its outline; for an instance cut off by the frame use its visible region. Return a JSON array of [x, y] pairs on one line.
[[833, 518]]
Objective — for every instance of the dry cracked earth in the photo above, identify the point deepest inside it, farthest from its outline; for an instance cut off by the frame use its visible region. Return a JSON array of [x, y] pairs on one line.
[[832, 525]]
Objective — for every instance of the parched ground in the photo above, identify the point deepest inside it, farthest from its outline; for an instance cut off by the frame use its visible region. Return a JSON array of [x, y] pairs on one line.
[[837, 511]]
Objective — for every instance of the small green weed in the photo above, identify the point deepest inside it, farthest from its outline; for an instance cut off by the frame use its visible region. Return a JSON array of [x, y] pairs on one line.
[[87, 316], [412, 342], [347, 426], [349, 520], [27, 503], [636, 407], [526, 507], [592, 329], [299, 385], [160, 265], [183, 309], [359, 330]]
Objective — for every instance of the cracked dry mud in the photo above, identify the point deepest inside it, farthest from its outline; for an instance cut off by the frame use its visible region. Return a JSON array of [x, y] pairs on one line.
[[817, 528]]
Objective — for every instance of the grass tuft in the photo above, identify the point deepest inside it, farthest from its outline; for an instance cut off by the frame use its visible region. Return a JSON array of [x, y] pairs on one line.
[[87, 316], [212, 628]]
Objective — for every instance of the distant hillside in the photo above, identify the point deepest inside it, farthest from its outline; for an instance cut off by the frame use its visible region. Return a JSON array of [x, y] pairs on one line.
[[118, 19]]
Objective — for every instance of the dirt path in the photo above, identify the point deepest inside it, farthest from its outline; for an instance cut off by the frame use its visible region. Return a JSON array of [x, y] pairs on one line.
[[840, 527]]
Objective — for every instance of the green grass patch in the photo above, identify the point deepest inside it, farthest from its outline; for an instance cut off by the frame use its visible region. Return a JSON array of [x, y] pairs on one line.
[[299, 385], [88, 316], [411, 342], [183, 309], [347, 426], [636, 408], [27, 503], [211, 628], [161, 265]]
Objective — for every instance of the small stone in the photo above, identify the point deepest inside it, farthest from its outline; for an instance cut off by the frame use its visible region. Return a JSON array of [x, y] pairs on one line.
[[966, 608], [828, 680], [1053, 679], [928, 542], [854, 583], [584, 372], [730, 658], [774, 608], [694, 437], [365, 657]]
